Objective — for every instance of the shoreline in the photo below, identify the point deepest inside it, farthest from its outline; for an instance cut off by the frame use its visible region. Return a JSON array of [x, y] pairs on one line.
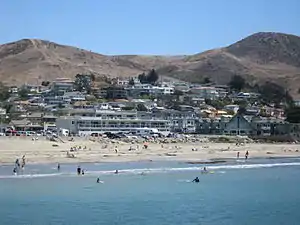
[[104, 151], [211, 161]]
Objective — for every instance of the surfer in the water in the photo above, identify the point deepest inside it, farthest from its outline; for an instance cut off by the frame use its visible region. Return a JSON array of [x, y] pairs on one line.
[[98, 180], [196, 180], [58, 167], [116, 172]]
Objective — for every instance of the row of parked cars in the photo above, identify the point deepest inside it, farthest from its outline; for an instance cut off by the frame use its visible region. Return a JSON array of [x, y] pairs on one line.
[[27, 133]]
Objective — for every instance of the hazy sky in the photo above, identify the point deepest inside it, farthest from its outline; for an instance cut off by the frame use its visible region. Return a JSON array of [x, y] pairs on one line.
[[165, 27]]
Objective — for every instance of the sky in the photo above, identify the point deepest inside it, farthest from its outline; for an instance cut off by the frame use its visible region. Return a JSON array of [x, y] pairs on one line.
[[147, 27]]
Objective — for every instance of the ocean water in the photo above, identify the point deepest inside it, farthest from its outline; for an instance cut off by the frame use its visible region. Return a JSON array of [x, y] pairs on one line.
[[256, 192]]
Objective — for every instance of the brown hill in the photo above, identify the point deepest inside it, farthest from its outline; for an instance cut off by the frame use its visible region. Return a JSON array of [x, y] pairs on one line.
[[258, 58], [32, 61]]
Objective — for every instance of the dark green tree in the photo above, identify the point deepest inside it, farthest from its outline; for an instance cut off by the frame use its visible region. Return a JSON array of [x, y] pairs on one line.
[[152, 77], [293, 114], [83, 82], [237, 83], [274, 93], [142, 78], [131, 81], [45, 83], [23, 93], [4, 92], [206, 80]]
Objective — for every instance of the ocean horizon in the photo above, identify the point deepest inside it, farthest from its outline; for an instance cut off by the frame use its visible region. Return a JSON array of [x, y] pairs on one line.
[[257, 191]]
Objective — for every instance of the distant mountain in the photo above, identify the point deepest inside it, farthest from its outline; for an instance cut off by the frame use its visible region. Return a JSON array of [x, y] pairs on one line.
[[258, 58], [32, 61]]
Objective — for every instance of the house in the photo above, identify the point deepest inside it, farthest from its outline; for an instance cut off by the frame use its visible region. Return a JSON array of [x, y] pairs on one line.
[[32, 88], [238, 125], [61, 85], [25, 125], [74, 96], [231, 108], [116, 92], [2, 111], [206, 92], [265, 126], [193, 99], [180, 121], [181, 87], [13, 89]]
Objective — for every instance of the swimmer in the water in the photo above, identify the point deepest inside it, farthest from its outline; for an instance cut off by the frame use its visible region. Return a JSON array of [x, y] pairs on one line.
[[78, 170], [196, 180], [15, 171]]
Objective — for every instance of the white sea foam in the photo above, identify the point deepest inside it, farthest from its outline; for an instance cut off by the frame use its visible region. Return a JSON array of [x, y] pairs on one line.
[[159, 170]]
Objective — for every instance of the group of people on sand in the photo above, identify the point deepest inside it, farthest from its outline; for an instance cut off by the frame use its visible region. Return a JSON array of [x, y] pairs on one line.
[[77, 148], [19, 165], [246, 155]]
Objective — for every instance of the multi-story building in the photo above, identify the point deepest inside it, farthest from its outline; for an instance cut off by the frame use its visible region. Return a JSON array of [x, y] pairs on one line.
[[101, 121], [61, 85]]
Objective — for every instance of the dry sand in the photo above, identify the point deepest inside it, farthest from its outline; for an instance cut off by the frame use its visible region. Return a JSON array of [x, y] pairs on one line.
[[44, 151]]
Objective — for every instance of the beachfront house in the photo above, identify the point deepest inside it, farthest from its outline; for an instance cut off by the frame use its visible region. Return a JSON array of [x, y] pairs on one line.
[[238, 125]]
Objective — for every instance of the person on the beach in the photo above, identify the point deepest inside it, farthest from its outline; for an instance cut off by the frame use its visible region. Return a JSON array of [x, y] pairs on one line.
[[58, 167], [246, 155], [78, 170], [238, 155], [145, 145], [196, 180]]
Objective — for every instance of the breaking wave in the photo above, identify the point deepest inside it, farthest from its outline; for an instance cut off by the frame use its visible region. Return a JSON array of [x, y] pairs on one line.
[[157, 170]]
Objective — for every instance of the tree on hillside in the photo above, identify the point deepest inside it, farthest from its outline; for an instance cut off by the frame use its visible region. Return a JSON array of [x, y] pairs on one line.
[[4, 92], [131, 81], [45, 83], [23, 93], [142, 78], [83, 82], [293, 115], [206, 80], [152, 77], [237, 83], [274, 93]]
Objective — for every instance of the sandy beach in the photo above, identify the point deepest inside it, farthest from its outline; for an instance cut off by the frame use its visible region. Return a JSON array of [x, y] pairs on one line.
[[98, 150]]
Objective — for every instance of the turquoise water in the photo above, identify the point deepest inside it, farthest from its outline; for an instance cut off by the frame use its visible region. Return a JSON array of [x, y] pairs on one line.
[[257, 192]]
